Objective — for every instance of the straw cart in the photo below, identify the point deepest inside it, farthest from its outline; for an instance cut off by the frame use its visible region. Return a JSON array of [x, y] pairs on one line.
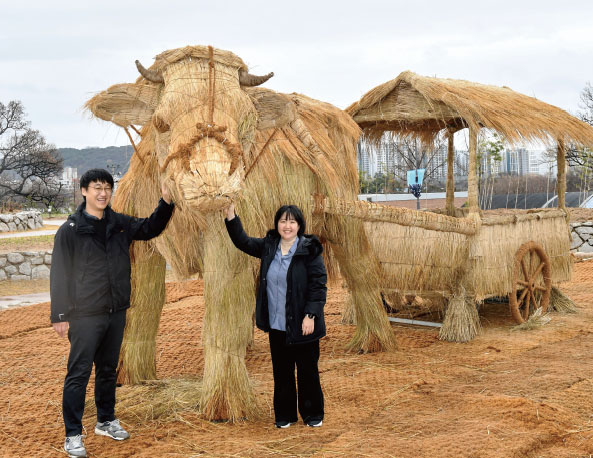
[[467, 255]]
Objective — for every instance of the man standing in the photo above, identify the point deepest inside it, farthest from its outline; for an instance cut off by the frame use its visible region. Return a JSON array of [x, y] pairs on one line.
[[90, 292]]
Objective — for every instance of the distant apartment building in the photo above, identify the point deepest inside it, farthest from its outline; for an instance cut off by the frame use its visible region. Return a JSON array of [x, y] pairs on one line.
[[69, 177], [519, 161], [438, 163], [515, 162], [365, 161], [461, 164], [387, 158]]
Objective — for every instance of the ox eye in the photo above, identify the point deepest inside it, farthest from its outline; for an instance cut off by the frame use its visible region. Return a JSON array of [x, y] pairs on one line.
[[159, 124]]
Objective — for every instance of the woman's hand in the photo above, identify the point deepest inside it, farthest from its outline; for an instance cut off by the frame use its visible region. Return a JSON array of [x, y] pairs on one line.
[[308, 325], [165, 193], [230, 212]]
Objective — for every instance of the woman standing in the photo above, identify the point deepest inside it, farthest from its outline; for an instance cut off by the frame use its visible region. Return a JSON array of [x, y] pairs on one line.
[[289, 307]]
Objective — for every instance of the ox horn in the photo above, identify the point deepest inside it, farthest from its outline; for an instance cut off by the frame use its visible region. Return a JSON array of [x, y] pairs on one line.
[[247, 79], [150, 75]]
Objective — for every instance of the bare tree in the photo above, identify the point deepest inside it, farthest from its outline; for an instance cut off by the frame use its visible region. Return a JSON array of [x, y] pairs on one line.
[[29, 166], [409, 154], [586, 112], [578, 156]]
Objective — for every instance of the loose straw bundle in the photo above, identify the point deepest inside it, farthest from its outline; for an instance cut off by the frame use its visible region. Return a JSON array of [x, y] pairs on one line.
[[535, 321], [560, 302], [461, 322]]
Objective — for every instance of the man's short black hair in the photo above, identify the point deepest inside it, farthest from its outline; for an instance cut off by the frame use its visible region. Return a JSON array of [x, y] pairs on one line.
[[292, 212], [100, 175]]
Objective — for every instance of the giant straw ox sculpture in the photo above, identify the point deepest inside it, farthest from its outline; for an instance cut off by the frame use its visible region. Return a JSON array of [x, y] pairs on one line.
[[213, 135]]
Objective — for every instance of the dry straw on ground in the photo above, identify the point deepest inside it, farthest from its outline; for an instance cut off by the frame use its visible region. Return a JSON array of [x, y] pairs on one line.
[[560, 302], [535, 321]]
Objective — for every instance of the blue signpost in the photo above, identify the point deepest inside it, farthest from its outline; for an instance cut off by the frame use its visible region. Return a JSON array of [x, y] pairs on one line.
[[415, 178]]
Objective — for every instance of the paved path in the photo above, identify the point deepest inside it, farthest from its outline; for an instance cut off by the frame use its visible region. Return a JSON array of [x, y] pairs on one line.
[[7, 302], [54, 222]]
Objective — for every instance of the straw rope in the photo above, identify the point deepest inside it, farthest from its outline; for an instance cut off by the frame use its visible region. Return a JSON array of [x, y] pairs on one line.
[[299, 153], [263, 148], [135, 130], [211, 82], [133, 144], [532, 215]]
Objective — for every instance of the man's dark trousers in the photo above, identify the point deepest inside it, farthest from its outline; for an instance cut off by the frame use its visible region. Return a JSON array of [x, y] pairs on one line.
[[93, 339], [310, 396]]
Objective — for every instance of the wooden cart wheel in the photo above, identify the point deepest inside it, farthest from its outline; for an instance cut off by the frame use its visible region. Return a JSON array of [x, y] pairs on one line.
[[532, 282]]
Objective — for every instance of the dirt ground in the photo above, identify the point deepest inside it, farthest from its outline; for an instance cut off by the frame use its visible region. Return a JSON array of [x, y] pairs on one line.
[[507, 393]]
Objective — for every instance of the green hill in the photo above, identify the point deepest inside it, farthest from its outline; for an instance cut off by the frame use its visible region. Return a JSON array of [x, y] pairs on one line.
[[116, 159]]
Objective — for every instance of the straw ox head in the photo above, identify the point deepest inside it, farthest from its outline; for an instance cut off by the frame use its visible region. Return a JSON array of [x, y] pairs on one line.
[[200, 109]]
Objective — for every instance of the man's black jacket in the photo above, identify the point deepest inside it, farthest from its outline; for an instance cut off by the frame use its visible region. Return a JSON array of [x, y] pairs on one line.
[[305, 281], [75, 251]]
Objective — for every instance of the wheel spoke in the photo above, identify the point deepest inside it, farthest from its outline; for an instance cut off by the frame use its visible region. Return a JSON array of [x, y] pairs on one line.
[[525, 309], [535, 304], [537, 271], [525, 291], [541, 288], [522, 283], [530, 263], [524, 269]]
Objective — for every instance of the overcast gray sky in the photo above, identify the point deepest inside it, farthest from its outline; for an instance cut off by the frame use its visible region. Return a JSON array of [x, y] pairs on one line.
[[55, 54]]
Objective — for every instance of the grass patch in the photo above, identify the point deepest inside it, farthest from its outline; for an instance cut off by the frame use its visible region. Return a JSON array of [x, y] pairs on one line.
[[11, 241], [34, 243], [18, 288], [55, 215]]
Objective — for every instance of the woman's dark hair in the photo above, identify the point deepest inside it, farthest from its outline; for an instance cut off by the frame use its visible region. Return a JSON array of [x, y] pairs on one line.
[[100, 175], [292, 212]]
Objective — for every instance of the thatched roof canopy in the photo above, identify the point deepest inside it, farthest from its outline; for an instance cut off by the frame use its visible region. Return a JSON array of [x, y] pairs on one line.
[[422, 107]]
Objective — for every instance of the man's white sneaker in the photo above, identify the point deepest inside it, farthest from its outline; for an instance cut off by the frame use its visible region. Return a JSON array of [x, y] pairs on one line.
[[74, 446], [112, 429]]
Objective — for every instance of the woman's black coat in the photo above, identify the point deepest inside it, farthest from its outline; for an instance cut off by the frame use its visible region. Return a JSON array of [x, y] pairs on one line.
[[305, 281]]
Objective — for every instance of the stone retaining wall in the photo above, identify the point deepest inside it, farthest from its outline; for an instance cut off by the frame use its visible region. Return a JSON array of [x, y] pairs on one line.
[[25, 265], [582, 237], [21, 221]]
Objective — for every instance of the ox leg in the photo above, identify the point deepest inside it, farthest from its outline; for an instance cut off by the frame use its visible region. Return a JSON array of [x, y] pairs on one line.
[[228, 327], [362, 272], [137, 360]]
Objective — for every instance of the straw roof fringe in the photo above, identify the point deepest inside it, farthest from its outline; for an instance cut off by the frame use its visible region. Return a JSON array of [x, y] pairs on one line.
[[419, 106]]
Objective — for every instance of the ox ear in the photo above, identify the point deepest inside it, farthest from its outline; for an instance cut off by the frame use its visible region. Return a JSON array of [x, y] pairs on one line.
[[273, 109], [126, 104]]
